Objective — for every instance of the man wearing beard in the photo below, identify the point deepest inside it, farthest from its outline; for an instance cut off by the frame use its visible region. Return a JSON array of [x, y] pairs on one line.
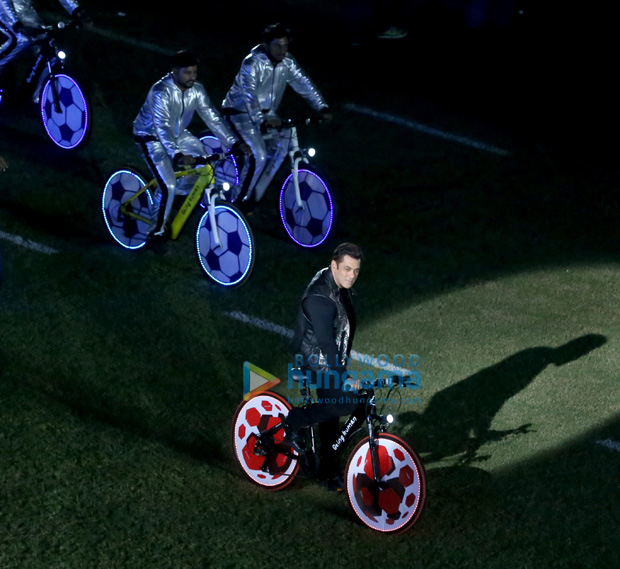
[[160, 129]]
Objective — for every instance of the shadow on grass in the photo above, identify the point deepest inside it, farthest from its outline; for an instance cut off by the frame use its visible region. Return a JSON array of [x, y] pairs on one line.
[[556, 510], [458, 419]]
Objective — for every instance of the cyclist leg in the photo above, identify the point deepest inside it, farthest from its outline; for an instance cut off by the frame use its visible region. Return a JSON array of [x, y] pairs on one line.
[[189, 145], [11, 44], [252, 136], [331, 404], [277, 149], [161, 167]]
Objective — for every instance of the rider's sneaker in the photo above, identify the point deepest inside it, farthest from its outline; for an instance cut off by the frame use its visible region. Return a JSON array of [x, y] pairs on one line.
[[393, 33], [333, 484], [247, 207], [293, 438], [158, 244]]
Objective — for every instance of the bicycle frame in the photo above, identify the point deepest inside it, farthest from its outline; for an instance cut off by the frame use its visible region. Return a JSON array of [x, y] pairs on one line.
[[364, 415], [295, 153], [296, 156], [384, 478], [204, 185], [50, 60], [46, 60]]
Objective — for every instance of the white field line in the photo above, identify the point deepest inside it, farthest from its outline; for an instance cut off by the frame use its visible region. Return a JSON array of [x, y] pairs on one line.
[[133, 42], [419, 127], [610, 444], [33, 245], [288, 333]]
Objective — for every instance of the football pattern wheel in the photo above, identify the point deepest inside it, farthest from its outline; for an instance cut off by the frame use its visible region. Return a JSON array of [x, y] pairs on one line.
[[271, 470], [231, 263], [127, 231], [67, 124], [395, 503], [309, 225]]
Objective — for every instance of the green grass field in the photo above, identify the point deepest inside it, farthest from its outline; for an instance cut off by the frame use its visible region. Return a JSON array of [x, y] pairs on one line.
[[121, 372]]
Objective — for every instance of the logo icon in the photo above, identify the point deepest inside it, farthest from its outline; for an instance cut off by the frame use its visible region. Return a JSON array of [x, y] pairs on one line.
[[256, 380]]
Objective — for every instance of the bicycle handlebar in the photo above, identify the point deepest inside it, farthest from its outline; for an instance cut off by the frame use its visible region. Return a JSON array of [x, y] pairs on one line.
[[61, 25], [198, 160], [212, 158], [290, 123], [396, 381]]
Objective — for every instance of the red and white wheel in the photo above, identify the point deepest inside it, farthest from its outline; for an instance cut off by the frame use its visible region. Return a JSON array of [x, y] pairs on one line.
[[395, 503], [268, 468]]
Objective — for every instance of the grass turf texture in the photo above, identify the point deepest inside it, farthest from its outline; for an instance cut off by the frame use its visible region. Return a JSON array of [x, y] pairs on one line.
[[121, 372]]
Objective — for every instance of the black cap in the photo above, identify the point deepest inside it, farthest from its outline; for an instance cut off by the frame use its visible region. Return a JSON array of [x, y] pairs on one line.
[[184, 58]]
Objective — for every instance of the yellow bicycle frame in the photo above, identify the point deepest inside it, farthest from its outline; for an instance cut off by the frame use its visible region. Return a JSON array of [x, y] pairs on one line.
[[205, 178]]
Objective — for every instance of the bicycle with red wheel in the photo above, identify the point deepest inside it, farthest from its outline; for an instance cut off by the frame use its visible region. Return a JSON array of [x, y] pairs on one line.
[[384, 477]]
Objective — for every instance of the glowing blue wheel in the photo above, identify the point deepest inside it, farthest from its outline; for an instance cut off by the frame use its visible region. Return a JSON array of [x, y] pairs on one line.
[[230, 263], [225, 171], [310, 224], [130, 229], [65, 112]]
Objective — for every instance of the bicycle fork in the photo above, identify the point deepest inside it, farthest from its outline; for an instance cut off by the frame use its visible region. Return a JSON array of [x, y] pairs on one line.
[[372, 444], [203, 186], [296, 155]]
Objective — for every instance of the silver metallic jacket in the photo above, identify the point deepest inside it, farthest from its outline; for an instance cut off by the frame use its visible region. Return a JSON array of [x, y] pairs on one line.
[[168, 111], [12, 11], [259, 85]]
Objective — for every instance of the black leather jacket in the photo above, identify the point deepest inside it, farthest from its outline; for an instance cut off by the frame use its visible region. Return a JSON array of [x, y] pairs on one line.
[[305, 341]]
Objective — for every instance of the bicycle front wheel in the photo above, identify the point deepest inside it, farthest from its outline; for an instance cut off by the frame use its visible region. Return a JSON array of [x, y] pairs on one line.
[[309, 222], [229, 262], [269, 465], [395, 503], [225, 171], [129, 231], [65, 112]]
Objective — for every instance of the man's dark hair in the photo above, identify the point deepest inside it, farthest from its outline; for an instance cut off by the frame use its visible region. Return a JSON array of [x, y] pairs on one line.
[[276, 31], [184, 58], [349, 249]]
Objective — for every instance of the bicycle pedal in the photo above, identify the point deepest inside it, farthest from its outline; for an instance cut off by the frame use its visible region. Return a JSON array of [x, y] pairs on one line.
[[259, 451]]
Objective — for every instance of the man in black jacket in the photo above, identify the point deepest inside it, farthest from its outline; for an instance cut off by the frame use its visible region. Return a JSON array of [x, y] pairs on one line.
[[323, 341]]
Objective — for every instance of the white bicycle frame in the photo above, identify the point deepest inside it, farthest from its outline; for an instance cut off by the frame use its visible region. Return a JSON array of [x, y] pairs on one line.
[[211, 196], [296, 155]]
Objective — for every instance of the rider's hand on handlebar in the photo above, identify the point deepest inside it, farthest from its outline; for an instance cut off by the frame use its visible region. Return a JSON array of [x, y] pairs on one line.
[[325, 114], [241, 147], [270, 123], [80, 16], [183, 160], [28, 31]]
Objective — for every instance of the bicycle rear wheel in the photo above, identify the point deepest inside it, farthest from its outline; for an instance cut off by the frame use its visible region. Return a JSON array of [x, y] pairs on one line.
[[127, 231], [310, 224], [65, 112], [229, 264], [271, 465], [395, 503]]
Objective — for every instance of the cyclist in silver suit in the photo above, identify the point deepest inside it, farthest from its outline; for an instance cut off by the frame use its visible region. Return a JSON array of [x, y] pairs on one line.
[[252, 102], [20, 24], [160, 129]]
